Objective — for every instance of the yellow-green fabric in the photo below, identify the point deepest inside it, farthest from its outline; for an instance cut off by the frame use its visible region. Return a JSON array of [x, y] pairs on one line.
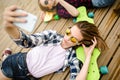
[[83, 15], [93, 70]]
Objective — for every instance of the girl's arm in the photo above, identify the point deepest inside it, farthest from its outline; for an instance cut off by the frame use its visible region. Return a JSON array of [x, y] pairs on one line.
[[20, 38], [9, 17], [71, 9], [88, 51]]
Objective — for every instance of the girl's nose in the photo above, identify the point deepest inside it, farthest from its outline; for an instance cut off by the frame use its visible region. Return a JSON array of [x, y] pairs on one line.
[[68, 38]]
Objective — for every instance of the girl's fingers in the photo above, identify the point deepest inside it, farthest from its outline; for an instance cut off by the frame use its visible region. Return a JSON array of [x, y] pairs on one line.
[[12, 8], [10, 11], [15, 14], [10, 15], [83, 45], [94, 41], [12, 19]]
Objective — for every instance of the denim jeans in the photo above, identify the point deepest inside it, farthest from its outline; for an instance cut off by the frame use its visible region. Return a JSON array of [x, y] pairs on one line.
[[102, 3], [15, 67]]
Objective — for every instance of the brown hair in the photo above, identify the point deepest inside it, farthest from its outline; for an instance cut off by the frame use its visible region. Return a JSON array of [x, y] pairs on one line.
[[89, 31]]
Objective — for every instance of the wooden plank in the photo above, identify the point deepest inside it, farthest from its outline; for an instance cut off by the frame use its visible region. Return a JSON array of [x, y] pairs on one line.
[[117, 77], [3, 33], [100, 14], [114, 67], [108, 21], [116, 62], [112, 42], [60, 25], [68, 77], [5, 41], [60, 76], [47, 77]]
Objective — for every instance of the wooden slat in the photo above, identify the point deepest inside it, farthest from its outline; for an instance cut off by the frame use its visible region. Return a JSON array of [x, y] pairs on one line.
[[99, 15], [114, 67], [107, 21], [112, 42], [60, 76]]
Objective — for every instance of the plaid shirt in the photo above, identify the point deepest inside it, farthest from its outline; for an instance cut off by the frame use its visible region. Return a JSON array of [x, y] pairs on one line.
[[51, 37], [62, 12]]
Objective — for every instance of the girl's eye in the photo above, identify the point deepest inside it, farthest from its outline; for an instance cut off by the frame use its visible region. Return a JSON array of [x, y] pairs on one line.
[[46, 2], [68, 32], [73, 40]]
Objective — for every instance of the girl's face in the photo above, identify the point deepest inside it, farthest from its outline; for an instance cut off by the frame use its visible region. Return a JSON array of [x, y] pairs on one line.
[[47, 3], [72, 37]]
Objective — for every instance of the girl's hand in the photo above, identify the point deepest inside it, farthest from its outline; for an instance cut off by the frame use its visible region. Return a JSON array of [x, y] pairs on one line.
[[10, 16], [88, 50]]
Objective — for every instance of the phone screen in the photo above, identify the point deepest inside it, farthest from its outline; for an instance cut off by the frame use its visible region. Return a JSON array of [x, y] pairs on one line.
[[30, 24]]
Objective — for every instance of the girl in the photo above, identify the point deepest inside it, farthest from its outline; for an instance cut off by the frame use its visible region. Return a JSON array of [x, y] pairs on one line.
[[50, 51], [67, 8]]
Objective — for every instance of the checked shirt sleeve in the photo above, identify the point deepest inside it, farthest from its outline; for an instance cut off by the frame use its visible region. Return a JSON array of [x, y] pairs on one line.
[[32, 40], [75, 66]]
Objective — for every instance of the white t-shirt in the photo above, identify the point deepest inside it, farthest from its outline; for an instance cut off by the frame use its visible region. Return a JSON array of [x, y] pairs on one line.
[[43, 60]]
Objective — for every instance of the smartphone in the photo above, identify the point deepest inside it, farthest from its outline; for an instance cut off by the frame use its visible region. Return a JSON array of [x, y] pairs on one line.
[[30, 24]]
